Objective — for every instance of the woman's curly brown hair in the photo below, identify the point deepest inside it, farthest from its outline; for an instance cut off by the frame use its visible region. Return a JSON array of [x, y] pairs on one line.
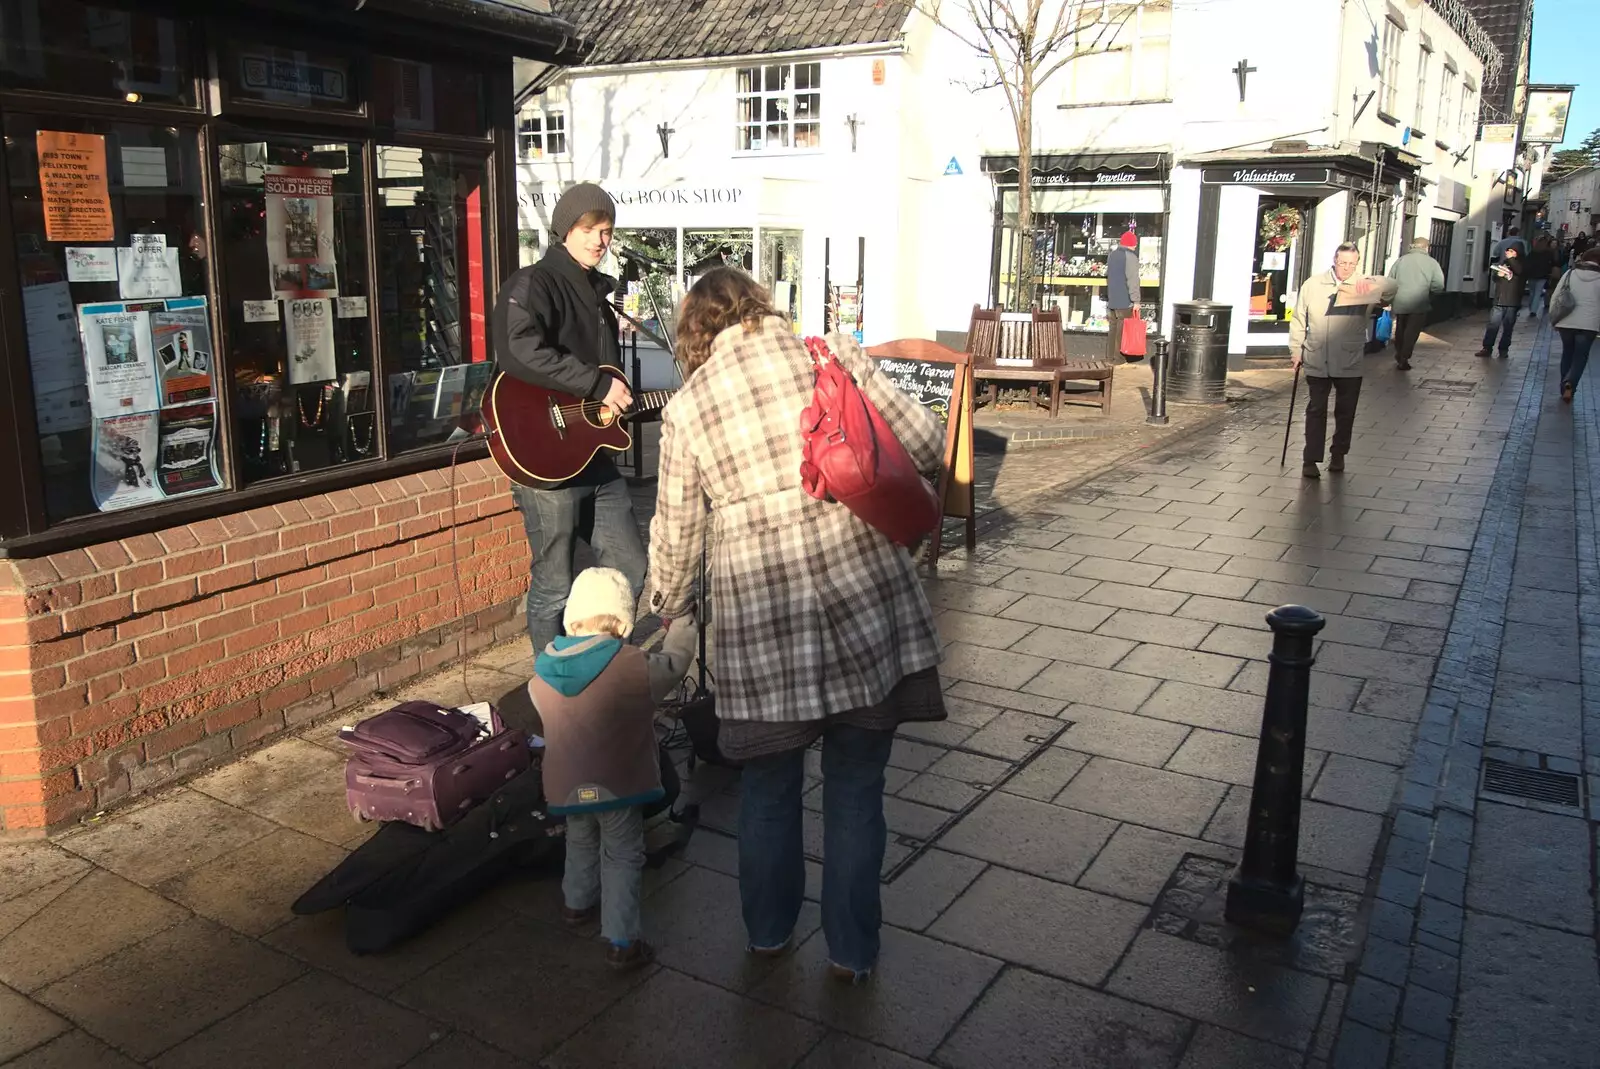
[[723, 297]]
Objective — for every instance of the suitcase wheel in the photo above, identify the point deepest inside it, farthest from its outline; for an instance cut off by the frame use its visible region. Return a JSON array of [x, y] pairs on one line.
[[360, 817]]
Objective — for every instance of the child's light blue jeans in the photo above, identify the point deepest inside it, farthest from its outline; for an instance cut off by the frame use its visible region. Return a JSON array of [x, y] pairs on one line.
[[605, 860]]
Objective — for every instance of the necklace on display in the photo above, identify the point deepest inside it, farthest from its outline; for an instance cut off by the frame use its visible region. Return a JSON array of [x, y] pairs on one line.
[[316, 420], [363, 448]]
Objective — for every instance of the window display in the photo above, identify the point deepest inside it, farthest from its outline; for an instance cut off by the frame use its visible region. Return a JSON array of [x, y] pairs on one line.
[[1070, 251], [1282, 255], [430, 259], [108, 220], [293, 255]]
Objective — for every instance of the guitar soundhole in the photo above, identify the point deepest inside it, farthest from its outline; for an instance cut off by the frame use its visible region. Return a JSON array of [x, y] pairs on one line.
[[599, 415]]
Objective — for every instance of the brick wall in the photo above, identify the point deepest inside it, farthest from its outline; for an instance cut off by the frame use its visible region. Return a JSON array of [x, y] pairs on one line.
[[130, 663]]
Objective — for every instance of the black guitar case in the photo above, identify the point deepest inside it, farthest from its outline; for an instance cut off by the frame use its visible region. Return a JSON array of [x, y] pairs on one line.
[[404, 879]]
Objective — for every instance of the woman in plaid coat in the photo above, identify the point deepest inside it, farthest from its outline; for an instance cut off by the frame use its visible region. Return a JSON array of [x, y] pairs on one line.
[[821, 629]]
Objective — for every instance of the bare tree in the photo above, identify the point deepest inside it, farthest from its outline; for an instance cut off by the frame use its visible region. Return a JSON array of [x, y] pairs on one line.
[[1026, 43]]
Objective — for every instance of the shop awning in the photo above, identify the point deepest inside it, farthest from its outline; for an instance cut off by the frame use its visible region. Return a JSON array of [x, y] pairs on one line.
[[1153, 162], [522, 27]]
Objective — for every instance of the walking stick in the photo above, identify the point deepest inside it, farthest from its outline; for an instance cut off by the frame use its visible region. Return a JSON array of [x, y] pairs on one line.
[[1294, 389]]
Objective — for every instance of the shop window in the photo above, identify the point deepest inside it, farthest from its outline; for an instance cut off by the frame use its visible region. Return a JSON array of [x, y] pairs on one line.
[[1389, 67], [65, 46], [1447, 92], [262, 73], [646, 263], [1123, 51], [1420, 118], [293, 257], [431, 297], [705, 249], [542, 134], [778, 107], [109, 231], [1075, 231], [1282, 259], [435, 97], [782, 270]]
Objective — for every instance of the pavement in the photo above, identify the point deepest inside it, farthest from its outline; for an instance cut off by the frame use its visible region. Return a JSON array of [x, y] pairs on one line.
[[1058, 847]]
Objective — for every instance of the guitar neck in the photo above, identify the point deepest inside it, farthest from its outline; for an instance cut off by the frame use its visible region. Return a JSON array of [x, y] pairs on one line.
[[651, 400]]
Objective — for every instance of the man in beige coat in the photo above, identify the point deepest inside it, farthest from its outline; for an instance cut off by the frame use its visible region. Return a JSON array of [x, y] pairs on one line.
[[1328, 336]]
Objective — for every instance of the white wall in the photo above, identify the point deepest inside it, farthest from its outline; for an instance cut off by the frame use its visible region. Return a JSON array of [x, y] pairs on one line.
[[1583, 186]]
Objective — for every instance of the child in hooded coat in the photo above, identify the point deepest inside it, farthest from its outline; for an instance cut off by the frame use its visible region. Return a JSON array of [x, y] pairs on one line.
[[597, 697]]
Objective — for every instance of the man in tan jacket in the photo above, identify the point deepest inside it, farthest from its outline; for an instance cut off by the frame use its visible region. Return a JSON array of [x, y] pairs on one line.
[[1328, 336]]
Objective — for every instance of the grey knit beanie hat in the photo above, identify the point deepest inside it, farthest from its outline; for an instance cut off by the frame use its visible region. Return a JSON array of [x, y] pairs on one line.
[[577, 202]]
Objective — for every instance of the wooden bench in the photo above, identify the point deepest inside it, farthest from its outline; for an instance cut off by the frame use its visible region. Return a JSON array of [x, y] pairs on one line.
[[995, 336]]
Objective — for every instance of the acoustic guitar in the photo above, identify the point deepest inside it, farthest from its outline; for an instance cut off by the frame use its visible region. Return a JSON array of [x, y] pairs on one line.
[[539, 436]]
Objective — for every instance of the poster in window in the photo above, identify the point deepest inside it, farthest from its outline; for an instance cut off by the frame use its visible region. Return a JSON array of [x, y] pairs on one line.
[[72, 186], [187, 462], [118, 354], [60, 397], [452, 390], [148, 268], [124, 461], [299, 227], [181, 336], [310, 331], [86, 263]]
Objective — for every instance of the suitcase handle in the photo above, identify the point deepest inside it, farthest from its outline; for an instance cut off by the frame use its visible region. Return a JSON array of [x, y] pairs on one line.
[[385, 782]]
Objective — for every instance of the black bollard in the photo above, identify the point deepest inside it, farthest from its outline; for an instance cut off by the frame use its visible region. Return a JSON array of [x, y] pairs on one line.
[[1158, 381], [1266, 894]]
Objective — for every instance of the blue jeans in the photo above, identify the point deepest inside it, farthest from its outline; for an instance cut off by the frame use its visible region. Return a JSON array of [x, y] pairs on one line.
[[772, 873], [1502, 321], [555, 520], [605, 860], [1575, 346], [1536, 296]]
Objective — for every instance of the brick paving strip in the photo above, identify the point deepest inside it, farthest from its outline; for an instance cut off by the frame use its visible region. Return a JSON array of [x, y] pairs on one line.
[[1057, 847]]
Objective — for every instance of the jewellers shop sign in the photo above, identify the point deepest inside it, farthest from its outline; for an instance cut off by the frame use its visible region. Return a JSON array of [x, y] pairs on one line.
[[1058, 179], [1265, 176]]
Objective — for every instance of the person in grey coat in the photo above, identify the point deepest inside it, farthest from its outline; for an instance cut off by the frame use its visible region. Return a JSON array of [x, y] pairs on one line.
[[1122, 290], [1579, 326], [1328, 336], [1419, 277]]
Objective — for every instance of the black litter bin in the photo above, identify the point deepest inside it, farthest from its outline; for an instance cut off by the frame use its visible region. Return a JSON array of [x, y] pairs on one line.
[[1199, 358]]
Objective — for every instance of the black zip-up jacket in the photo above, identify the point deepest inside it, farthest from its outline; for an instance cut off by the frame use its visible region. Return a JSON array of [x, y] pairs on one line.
[[554, 327]]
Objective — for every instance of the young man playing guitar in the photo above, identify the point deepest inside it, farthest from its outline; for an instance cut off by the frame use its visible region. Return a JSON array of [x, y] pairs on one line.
[[554, 327]]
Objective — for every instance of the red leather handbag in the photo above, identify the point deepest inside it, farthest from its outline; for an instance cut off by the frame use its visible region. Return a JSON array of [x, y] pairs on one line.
[[851, 456], [1133, 341]]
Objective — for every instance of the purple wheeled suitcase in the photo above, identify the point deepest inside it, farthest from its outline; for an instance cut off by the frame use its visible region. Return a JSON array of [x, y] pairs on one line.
[[427, 765]]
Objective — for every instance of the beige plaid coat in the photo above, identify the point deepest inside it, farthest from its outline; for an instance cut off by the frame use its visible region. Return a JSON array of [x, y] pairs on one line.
[[814, 613]]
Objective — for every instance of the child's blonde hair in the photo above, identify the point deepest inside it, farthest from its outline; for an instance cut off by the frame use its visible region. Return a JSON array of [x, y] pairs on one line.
[[603, 624]]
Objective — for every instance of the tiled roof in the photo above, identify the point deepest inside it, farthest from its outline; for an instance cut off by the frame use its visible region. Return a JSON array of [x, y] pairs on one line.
[[633, 31], [1503, 21]]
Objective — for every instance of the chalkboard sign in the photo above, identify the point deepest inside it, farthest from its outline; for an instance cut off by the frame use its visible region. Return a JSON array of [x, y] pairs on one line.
[[940, 378], [932, 384]]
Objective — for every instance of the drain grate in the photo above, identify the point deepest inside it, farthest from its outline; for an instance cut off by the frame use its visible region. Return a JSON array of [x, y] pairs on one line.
[[1534, 784], [1450, 387]]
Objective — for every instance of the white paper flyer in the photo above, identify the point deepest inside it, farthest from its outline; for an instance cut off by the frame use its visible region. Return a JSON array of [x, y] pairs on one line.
[[148, 269], [86, 263], [310, 332], [118, 354], [124, 456]]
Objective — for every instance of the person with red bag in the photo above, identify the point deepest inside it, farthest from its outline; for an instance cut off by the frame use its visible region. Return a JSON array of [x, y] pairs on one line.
[[820, 628], [1125, 336]]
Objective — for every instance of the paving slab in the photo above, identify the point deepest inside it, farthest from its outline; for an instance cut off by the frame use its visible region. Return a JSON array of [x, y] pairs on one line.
[[1028, 1021], [695, 924], [311, 1023], [1030, 836], [1529, 997], [177, 831], [250, 889], [839, 1051], [91, 918], [921, 988], [1238, 993], [915, 898], [74, 1050], [1137, 863], [674, 1020], [1150, 797], [1049, 927], [457, 1050], [1532, 866], [154, 994], [1142, 740], [25, 1025]]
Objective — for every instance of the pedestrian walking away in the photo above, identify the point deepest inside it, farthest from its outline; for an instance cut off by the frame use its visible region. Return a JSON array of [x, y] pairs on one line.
[[1578, 324], [1512, 240], [554, 327], [1541, 264], [1122, 290], [1418, 276], [1508, 279], [1328, 336], [822, 629]]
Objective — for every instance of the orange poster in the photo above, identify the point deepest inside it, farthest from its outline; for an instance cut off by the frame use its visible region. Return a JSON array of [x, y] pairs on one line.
[[72, 177]]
